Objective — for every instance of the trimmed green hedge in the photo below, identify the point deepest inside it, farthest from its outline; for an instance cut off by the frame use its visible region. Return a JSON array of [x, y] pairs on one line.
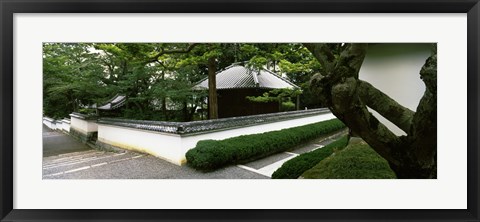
[[209, 155], [356, 161], [294, 168]]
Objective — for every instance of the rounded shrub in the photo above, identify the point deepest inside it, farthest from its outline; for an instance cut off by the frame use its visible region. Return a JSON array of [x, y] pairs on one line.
[[209, 155], [356, 161], [293, 168]]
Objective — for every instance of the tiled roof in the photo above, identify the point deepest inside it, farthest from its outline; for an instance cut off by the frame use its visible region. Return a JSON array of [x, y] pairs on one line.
[[113, 103], [238, 76], [213, 124]]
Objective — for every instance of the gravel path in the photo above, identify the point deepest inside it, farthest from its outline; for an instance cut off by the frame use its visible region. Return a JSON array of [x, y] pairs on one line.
[[66, 158]]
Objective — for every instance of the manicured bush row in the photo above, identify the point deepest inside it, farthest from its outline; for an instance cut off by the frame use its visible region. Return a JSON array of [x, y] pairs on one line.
[[356, 161], [209, 155], [294, 168]]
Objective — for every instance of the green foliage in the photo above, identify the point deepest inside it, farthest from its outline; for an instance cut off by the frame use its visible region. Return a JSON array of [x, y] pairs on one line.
[[87, 111], [356, 161], [288, 106], [282, 96], [289, 59], [293, 168], [257, 62], [275, 95], [212, 154], [308, 98], [157, 77], [71, 78]]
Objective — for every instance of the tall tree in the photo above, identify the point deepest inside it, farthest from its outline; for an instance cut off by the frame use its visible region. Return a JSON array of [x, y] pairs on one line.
[[291, 60], [71, 78], [212, 88], [145, 73], [338, 86], [157, 77], [212, 57]]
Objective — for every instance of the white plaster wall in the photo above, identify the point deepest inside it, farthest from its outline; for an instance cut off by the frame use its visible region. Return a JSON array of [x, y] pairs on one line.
[[172, 147], [395, 70], [58, 125], [92, 126], [162, 145], [49, 122], [65, 126], [189, 142], [85, 126]]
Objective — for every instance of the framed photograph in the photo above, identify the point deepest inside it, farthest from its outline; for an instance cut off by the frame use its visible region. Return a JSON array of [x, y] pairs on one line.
[[239, 110]]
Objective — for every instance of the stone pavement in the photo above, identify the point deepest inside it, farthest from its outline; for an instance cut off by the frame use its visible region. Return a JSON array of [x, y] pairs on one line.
[[56, 143], [70, 159], [130, 165]]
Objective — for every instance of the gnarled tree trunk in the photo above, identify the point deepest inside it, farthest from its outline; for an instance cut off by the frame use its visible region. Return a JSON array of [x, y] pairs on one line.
[[338, 86]]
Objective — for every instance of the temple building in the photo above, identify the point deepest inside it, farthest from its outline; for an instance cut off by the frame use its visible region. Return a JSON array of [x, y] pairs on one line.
[[236, 82]]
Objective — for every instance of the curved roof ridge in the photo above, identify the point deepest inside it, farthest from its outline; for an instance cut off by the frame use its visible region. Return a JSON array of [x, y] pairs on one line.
[[245, 77], [113, 103], [218, 71], [283, 78]]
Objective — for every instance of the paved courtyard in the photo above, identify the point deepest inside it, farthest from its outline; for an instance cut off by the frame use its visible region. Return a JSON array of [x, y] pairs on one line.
[[56, 143], [66, 158]]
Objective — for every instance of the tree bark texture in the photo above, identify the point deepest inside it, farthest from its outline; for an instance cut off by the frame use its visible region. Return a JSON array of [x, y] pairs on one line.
[[212, 89], [338, 86]]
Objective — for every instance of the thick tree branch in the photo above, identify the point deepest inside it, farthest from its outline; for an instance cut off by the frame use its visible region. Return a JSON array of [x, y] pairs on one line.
[[385, 106], [424, 123], [348, 65], [348, 107], [351, 59], [339, 90], [411, 156], [163, 65], [171, 51], [322, 53]]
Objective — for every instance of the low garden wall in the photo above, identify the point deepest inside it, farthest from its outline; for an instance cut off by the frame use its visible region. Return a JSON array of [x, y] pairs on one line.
[[49, 122], [83, 127], [60, 124], [66, 125], [171, 140]]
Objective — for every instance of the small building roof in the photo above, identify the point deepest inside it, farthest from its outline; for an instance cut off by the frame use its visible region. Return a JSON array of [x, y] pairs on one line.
[[237, 77], [113, 103]]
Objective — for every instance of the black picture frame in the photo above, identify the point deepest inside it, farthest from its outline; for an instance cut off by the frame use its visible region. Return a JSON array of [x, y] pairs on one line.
[[10, 7]]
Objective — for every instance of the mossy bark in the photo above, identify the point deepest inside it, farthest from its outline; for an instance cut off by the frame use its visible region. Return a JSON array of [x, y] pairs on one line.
[[338, 86]]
